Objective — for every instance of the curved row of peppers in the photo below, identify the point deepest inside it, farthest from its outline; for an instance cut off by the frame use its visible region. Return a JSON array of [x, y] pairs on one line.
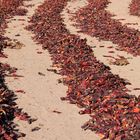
[[96, 21]]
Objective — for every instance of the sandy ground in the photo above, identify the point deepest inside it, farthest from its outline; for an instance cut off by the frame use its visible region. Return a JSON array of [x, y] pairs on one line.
[[129, 72], [43, 93]]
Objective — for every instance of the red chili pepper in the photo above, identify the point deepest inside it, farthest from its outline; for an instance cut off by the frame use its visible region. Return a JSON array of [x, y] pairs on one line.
[[20, 91]]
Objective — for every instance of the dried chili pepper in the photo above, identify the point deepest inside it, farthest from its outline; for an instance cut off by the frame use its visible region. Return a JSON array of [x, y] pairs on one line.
[[135, 7], [20, 91]]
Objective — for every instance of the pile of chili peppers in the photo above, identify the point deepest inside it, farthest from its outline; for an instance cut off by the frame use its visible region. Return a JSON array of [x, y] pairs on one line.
[[8, 108], [9, 8], [94, 20], [91, 86], [135, 7]]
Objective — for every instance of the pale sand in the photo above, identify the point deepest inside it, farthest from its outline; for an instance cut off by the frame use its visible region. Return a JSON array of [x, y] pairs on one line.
[[43, 92]]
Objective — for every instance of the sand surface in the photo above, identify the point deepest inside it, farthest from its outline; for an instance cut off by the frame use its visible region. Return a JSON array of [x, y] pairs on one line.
[[43, 93]]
